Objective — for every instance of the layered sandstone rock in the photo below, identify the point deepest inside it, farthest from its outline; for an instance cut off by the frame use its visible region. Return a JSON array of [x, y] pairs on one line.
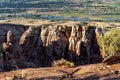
[[54, 42], [41, 46]]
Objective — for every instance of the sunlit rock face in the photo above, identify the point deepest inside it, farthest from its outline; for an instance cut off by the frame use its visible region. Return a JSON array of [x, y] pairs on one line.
[[39, 46], [55, 42]]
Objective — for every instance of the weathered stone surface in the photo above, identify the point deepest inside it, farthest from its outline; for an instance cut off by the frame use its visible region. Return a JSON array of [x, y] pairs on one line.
[[92, 47], [75, 40], [99, 36], [44, 35], [28, 49], [40, 47], [11, 52], [111, 59], [31, 43], [55, 42], [16, 29]]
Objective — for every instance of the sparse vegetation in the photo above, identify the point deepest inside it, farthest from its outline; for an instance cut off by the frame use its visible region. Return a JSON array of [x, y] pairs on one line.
[[112, 42], [23, 75], [63, 63], [94, 9]]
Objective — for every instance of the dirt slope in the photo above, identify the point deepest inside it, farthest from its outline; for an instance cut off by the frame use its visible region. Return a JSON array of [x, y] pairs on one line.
[[86, 72]]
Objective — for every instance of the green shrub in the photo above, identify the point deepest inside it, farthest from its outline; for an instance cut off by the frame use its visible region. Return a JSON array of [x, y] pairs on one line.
[[112, 42], [64, 63], [23, 75]]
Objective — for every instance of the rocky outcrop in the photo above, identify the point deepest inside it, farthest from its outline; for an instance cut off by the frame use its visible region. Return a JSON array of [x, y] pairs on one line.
[[41, 46], [31, 43], [18, 30], [111, 59], [75, 40], [83, 45], [11, 52], [24, 54], [92, 47], [54, 42]]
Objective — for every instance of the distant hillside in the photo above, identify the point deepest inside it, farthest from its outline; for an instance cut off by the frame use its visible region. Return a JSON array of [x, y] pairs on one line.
[[84, 10], [32, 3], [47, 3]]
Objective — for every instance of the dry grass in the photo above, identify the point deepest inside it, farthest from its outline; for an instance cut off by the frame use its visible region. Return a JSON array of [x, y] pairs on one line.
[[35, 22], [23, 21]]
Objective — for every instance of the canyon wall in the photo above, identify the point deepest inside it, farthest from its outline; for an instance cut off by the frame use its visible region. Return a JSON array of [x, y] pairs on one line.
[[40, 46]]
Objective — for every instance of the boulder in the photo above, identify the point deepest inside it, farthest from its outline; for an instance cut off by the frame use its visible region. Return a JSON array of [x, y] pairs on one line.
[[111, 59]]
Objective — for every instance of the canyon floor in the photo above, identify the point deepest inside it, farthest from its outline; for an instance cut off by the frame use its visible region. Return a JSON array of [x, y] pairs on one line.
[[86, 72]]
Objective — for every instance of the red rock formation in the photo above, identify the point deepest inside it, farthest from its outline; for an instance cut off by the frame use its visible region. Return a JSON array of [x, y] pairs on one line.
[[40, 48], [31, 44], [75, 40], [11, 52]]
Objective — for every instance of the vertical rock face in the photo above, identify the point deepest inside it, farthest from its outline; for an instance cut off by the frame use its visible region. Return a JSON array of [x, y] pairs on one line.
[[83, 46], [41, 47], [44, 35], [31, 44], [80, 46], [75, 40], [92, 47], [11, 52], [55, 43]]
